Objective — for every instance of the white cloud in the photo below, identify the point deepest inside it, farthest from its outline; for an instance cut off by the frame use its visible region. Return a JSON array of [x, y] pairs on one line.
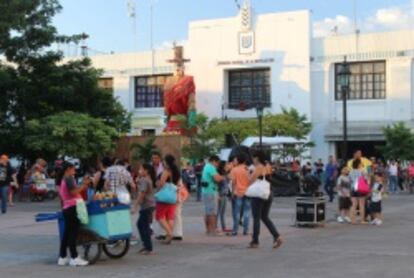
[[168, 44], [328, 26], [392, 18]]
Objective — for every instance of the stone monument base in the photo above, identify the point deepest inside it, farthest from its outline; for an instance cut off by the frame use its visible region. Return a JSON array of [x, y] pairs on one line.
[[166, 144]]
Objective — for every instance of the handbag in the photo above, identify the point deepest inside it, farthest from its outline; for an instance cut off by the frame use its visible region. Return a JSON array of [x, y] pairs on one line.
[[82, 212], [167, 194], [259, 189], [183, 193], [124, 198], [361, 186]]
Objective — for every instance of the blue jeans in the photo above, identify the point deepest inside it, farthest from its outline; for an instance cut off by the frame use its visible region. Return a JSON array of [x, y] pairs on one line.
[[238, 204], [199, 188], [393, 184], [329, 189], [144, 228], [3, 192], [221, 213]]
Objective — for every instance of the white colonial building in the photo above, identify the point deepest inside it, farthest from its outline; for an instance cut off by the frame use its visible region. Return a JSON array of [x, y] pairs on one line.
[[381, 88], [273, 58]]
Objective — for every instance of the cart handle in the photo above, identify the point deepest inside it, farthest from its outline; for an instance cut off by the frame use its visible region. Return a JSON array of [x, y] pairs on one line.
[[43, 217]]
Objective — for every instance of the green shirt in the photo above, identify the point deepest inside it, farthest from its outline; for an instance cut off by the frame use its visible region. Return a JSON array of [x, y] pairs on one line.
[[209, 172]]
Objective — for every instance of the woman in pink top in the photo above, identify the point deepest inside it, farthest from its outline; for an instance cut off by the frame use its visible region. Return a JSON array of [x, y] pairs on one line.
[[69, 193], [411, 177]]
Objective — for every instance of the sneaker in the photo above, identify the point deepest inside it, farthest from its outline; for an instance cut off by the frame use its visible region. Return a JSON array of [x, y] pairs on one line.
[[340, 219], [63, 261], [378, 222], [347, 219], [78, 262]]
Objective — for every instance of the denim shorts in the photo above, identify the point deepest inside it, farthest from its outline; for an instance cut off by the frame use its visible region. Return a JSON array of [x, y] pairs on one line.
[[210, 204]]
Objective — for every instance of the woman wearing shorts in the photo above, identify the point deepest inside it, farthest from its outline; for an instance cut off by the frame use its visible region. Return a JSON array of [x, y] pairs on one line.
[[358, 199], [165, 213]]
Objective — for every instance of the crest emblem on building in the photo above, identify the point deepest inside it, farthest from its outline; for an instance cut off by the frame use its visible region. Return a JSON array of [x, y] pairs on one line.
[[246, 35], [246, 41]]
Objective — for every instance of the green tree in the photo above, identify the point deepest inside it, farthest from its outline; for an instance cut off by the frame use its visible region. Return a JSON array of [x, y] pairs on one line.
[[70, 134], [399, 142], [287, 123], [201, 144], [34, 81], [143, 152]]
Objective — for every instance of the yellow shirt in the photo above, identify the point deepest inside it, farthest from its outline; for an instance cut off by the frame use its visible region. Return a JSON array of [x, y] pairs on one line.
[[365, 163]]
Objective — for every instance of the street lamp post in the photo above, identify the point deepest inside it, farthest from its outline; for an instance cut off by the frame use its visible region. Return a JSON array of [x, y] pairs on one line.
[[259, 111], [343, 79]]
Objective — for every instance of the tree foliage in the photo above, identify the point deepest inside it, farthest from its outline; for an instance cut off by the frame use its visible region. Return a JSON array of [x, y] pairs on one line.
[[143, 152], [287, 123], [201, 144], [70, 134], [34, 81], [210, 135], [399, 142]]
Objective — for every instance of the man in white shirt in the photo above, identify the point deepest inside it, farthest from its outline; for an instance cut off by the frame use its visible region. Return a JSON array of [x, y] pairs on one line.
[[156, 162], [117, 178], [393, 175]]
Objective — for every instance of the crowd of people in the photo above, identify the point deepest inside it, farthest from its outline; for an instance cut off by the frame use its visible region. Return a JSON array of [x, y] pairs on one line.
[[14, 181], [218, 184], [381, 179], [229, 181]]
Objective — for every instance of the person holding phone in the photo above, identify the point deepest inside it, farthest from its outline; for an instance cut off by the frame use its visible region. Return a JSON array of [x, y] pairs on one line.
[[70, 194]]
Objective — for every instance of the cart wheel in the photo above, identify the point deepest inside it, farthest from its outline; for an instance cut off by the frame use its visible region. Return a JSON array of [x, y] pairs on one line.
[[40, 198], [92, 252], [51, 195], [116, 249], [32, 197]]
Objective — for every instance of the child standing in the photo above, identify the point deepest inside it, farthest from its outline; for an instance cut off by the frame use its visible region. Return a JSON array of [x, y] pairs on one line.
[[146, 201], [344, 194], [376, 199], [224, 193]]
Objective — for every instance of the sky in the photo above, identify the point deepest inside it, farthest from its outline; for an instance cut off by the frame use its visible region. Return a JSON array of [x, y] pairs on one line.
[[111, 29]]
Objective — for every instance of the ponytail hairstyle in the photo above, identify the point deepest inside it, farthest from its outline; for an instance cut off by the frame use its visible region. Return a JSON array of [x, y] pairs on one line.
[[222, 167], [260, 157], [172, 166], [151, 172], [61, 172]]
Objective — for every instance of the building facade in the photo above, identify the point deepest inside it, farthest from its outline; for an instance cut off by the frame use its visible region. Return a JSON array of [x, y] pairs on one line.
[[273, 59], [381, 91]]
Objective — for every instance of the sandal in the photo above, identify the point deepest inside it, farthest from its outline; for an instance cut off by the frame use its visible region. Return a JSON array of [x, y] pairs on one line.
[[277, 243], [168, 240], [142, 251], [148, 253], [253, 245]]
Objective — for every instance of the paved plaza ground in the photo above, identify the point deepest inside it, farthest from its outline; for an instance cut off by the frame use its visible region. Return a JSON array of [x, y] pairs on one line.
[[29, 249]]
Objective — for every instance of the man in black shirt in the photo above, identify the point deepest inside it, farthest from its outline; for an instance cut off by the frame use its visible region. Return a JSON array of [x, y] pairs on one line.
[[6, 176]]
